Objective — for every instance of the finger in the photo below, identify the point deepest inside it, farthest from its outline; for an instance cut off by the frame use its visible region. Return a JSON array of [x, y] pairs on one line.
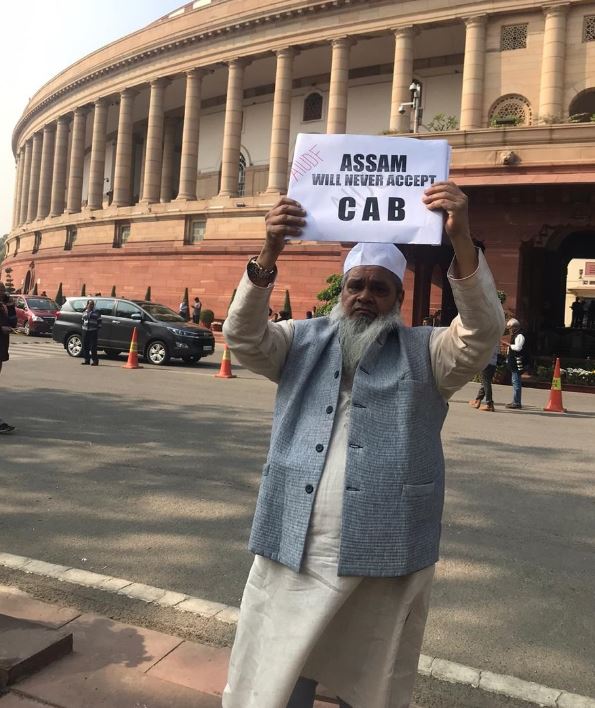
[[446, 204], [282, 231], [286, 201], [286, 219], [449, 187]]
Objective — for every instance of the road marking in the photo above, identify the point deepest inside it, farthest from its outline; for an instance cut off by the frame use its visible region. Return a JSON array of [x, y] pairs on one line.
[[440, 669], [21, 350]]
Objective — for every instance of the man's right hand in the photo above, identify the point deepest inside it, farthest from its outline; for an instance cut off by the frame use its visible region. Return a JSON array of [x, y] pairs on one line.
[[285, 219]]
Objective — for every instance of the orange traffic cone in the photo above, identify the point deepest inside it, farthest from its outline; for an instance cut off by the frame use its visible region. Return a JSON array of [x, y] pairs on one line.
[[132, 362], [554, 405], [225, 370]]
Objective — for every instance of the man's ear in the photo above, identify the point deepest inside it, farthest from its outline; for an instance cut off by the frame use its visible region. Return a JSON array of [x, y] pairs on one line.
[[400, 298]]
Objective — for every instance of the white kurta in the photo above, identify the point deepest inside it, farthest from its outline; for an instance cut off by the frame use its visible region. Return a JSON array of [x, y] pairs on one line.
[[360, 637]]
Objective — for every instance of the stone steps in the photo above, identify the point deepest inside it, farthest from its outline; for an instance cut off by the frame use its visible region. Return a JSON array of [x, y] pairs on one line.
[[27, 647]]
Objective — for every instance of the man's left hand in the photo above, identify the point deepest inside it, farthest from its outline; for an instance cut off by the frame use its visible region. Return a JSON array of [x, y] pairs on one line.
[[447, 196]]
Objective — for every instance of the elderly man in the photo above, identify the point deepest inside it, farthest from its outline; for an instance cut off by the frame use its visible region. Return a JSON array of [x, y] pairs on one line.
[[347, 524]]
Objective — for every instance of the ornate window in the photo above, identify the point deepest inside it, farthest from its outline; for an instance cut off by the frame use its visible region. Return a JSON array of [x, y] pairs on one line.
[[312, 107], [513, 37], [121, 233], [195, 230], [512, 109], [36, 242], [242, 175], [589, 28], [70, 238]]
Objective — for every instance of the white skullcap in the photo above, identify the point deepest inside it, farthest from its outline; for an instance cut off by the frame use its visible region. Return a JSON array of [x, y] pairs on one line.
[[385, 255]]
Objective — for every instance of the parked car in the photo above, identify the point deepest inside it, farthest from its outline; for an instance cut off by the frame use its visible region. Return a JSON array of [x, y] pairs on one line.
[[162, 334], [35, 314]]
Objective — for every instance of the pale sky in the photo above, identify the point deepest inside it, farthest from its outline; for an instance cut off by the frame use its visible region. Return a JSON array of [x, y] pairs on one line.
[[40, 38]]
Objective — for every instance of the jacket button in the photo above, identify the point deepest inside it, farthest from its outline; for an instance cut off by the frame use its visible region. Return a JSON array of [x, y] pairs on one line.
[[319, 447], [337, 374], [329, 409], [309, 489]]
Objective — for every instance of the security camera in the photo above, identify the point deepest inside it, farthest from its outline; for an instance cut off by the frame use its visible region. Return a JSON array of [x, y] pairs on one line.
[[402, 110], [413, 86]]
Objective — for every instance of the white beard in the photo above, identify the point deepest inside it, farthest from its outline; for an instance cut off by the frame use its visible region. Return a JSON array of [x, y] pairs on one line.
[[356, 334]]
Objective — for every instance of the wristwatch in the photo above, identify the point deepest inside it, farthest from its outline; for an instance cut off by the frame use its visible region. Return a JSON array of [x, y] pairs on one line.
[[259, 275]]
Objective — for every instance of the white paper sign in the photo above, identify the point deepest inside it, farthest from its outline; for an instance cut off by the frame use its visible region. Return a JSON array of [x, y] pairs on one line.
[[368, 188]]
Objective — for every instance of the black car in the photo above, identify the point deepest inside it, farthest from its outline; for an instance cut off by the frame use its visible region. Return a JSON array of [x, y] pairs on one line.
[[162, 334]]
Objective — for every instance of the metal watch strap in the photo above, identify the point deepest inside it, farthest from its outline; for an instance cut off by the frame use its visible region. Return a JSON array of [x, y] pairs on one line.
[[259, 274]]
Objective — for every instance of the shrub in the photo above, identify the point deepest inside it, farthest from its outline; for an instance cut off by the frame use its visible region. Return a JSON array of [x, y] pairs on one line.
[[207, 317], [329, 296], [441, 122]]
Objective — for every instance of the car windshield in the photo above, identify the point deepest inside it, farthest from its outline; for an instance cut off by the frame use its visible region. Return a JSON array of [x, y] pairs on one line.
[[40, 303], [162, 313]]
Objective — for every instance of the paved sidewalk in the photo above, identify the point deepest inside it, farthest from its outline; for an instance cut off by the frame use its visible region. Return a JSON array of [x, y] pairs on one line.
[[115, 665]]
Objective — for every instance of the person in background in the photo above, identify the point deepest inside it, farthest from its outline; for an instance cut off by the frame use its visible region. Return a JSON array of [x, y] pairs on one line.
[[485, 391], [91, 327], [309, 315], [578, 312], [43, 293], [196, 309], [428, 321], [516, 360], [591, 315], [8, 321], [183, 310]]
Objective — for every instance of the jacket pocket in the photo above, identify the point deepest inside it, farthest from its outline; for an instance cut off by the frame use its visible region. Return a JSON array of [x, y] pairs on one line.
[[418, 490]]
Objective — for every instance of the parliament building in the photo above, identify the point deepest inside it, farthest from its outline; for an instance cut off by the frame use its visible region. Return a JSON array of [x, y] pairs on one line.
[[152, 161]]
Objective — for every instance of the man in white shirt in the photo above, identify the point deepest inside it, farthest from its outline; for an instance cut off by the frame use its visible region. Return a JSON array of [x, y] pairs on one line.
[[516, 361]]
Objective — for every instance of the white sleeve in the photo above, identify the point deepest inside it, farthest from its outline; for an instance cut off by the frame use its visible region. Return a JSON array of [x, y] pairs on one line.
[[258, 344], [519, 343], [462, 350]]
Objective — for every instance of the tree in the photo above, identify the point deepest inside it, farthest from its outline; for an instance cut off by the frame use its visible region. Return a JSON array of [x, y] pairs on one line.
[[287, 306], [329, 296], [3, 240], [59, 296], [113, 294], [84, 290], [148, 294], [441, 122], [34, 289]]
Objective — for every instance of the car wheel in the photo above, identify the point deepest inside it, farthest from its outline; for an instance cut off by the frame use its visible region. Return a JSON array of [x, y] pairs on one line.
[[112, 353], [27, 329], [157, 353], [194, 359], [74, 345]]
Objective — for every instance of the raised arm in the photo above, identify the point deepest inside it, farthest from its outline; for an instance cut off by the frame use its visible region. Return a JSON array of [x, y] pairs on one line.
[[463, 349], [258, 344]]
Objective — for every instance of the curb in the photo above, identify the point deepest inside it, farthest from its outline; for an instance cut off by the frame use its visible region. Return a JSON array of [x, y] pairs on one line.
[[440, 669]]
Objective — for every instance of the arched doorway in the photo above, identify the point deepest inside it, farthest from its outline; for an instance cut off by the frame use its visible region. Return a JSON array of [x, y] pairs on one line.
[[541, 298], [583, 106]]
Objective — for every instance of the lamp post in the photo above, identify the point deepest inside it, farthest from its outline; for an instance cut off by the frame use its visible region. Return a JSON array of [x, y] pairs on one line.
[[414, 104]]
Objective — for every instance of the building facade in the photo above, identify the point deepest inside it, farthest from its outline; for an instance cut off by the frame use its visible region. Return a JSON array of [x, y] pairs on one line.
[[153, 160]]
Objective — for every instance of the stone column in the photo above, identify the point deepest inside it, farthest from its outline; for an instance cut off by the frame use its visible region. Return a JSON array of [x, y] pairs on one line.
[[97, 164], [16, 212], [26, 182], [35, 173], [77, 159], [190, 133], [551, 91], [402, 77], [473, 73], [339, 86], [123, 167], [232, 131], [279, 150], [60, 164], [154, 148], [167, 168], [47, 162]]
